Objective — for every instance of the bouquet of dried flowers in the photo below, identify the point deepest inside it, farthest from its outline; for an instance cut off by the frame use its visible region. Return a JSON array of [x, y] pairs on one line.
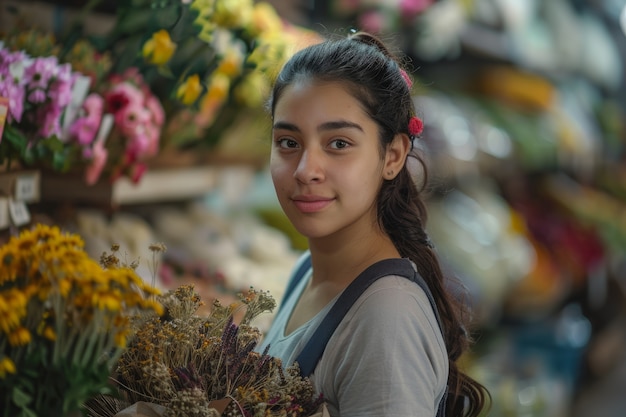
[[64, 321], [186, 365]]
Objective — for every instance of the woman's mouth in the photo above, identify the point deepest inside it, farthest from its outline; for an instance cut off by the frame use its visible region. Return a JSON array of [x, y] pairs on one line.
[[311, 204]]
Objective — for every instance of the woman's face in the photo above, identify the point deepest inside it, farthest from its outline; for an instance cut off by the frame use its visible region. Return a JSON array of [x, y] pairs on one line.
[[325, 161]]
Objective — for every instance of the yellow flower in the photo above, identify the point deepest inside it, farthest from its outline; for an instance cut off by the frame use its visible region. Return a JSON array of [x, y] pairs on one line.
[[218, 87], [252, 90], [49, 333], [271, 51], [189, 91], [233, 13], [6, 367], [159, 48], [265, 19], [120, 339], [107, 302], [19, 337], [232, 62]]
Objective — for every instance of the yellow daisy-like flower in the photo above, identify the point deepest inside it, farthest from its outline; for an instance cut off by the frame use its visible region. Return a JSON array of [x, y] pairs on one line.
[[107, 301], [6, 367], [159, 48], [189, 91], [19, 337], [120, 339], [49, 333]]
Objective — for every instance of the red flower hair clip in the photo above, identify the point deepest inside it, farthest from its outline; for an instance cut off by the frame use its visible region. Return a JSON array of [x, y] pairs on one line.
[[416, 126]]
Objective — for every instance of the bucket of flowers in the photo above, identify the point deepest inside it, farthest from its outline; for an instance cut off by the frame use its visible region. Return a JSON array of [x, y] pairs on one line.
[[184, 364], [63, 322]]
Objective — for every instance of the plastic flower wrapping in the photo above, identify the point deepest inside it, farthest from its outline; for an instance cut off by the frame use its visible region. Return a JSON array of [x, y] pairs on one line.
[[168, 74], [64, 321], [187, 365]]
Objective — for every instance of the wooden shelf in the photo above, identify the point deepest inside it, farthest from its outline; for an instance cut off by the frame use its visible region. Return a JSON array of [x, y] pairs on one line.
[[155, 186]]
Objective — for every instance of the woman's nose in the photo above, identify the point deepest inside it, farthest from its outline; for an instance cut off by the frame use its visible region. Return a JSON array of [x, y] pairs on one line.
[[310, 167]]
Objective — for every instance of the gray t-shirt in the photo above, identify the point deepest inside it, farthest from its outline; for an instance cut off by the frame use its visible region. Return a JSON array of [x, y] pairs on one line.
[[386, 358]]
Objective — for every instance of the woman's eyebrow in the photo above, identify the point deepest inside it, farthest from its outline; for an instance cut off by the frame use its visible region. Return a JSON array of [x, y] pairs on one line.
[[286, 126], [339, 124], [332, 125]]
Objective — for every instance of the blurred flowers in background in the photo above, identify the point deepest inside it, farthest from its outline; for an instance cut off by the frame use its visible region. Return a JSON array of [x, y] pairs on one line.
[[63, 321], [166, 75], [379, 16]]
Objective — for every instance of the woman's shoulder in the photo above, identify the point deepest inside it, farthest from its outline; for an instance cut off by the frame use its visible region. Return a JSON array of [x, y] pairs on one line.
[[395, 299]]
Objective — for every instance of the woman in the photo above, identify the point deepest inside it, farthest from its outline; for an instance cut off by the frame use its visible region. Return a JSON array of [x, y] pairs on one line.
[[343, 127]]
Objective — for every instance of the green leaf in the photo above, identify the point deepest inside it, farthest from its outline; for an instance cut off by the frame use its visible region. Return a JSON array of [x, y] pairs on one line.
[[15, 138], [165, 71], [20, 398]]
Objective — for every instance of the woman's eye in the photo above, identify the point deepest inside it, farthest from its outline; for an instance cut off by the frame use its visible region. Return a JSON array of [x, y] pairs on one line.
[[287, 143], [339, 144]]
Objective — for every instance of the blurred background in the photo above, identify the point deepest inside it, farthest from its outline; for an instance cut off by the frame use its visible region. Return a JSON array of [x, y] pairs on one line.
[[138, 121]]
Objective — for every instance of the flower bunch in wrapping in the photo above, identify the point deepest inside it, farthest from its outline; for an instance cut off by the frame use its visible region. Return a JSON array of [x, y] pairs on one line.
[[64, 321], [207, 60], [64, 120], [197, 64], [37, 91], [185, 365]]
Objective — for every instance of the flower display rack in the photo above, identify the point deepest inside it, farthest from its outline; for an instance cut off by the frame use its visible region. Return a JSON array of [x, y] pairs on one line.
[[159, 185], [17, 189]]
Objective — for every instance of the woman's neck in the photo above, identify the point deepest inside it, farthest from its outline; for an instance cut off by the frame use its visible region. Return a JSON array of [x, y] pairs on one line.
[[341, 262]]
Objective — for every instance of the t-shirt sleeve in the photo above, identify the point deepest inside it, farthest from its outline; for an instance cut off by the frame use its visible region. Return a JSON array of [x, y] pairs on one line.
[[387, 356]]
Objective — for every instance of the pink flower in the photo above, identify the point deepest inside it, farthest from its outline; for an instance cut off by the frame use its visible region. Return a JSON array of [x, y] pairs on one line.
[[153, 133], [60, 93], [121, 95], [38, 95], [156, 110], [12, 80], [94, 170], [39, 73], [131, 119], [137, 147], [15, 94], [372, 21], [137, 171], [93, 105], [84, 129], [49, 119], [411, 8]]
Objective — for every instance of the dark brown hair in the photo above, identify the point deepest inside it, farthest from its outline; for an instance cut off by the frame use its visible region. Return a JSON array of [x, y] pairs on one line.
[[372, 74]]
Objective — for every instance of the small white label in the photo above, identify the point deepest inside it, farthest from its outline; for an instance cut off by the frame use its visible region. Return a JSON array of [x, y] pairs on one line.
[[26, 188], [4, 212], [106, 124], [19, 212], [79, 92]]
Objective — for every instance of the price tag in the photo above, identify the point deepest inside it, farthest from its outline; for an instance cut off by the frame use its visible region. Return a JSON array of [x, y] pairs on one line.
[[26, 188], [19, 212], [4, 213], [4, 112]]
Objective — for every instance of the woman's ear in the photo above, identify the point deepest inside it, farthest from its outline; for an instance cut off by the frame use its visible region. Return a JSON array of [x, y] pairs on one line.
[[396, 154]]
